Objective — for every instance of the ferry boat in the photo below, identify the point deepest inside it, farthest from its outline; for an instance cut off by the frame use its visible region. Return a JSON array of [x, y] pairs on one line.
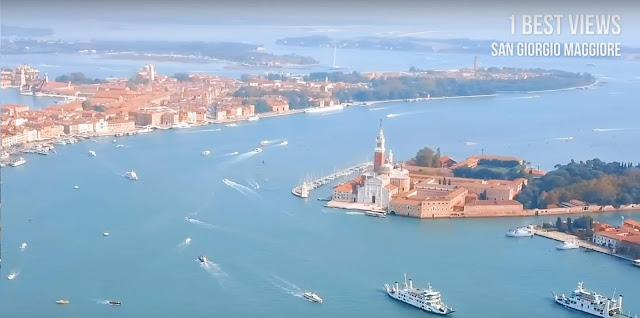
[[114, 303], [205, 153], [18, 162], [636, 263], [92, 153], [62, 302], [526, 231], [591, 303], [131, 175], [376, 214], [568, 245], [312, 297], [202, 259], [253, 118], [324, 109], [425, 299]]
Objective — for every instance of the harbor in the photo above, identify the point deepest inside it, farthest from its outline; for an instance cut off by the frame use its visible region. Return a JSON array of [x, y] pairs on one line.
[[306, 187]]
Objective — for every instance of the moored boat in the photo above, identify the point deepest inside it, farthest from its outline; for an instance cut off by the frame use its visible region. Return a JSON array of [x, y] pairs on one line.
[[376, 214], [568, 245], [18, 162], [253, 118], [526, 231], [636, 263], [324, 109], [62, 301]]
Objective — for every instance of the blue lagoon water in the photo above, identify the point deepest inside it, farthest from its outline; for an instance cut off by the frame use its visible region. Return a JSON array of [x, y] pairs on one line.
[[266, 246]]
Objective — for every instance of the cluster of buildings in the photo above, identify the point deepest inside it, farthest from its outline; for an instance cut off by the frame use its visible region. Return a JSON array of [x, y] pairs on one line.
[[627, 236], [21, 76], [398, 189]]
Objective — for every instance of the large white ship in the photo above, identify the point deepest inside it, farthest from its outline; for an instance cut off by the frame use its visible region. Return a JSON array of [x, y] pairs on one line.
[[324, 109], [592, 303], [425, 299]]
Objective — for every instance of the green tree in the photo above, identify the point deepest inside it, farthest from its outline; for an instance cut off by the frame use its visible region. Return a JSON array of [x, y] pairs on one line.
[[261, 106], [86, 105], [182, 77], [424, 157], [569, 225], [558, 223]]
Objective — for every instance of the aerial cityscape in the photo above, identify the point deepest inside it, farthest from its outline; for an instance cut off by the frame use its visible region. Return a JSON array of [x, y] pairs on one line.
[[263, 166]]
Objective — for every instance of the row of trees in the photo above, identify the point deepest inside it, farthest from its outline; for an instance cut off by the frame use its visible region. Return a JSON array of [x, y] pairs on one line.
[[78, 78], [487, 174], [593, 181], [495, 163], [582, 226]]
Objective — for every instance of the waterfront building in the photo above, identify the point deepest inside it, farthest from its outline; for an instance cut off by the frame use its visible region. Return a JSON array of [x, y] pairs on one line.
[[627, 234]]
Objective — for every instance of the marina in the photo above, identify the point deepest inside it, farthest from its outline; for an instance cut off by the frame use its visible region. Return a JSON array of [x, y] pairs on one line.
[[564, 237], [306, 187]]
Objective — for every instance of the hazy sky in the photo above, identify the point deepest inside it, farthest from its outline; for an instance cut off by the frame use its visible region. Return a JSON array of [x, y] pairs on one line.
[[219, 20]]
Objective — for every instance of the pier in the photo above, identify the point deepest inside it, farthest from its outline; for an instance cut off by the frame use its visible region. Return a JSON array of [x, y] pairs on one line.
[[305, 188], [562, 237]]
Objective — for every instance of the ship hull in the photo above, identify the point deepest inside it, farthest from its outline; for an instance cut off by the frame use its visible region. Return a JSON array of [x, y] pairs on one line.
[[427, 308]]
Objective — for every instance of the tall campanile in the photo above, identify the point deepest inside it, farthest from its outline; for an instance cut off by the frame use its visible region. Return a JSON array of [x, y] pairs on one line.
[[378, 155]]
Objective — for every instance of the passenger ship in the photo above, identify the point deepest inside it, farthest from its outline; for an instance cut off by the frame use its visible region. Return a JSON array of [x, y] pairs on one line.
[[425, 299], [592, 303]]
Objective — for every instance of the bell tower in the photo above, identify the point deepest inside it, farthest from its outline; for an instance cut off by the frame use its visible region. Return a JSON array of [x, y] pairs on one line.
[[378, 154]]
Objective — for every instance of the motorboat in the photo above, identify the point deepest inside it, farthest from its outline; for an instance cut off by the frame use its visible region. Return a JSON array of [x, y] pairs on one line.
[[43, 152], [284, 143], [11, 276], [145, 130], [253, 118], [202, 259], [114, 303], [18, 162], [376, 214], [60, 142], [187, 240], [180, 125], [76, 187], [265, 142], [92, 153], [131, 175], [312, 297], [636, 263], [568, 245], [258, 150], [526, 231], [62, 302], [234, 153], [23, 246], [114, 141], [105, 234], [206, 153], [119, 146], [231, 125]]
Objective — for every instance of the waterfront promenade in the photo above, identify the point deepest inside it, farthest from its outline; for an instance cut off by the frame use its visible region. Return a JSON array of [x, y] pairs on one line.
[[563, 237]]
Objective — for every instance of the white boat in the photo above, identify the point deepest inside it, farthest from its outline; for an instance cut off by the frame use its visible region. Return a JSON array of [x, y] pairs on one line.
[[60, 142], [105, 234], [265, 142], [131, 175], [187, 240], [592, 303], [23, 246], [114, 141], [114, 303], [62, 301], [469, 143], [18, 162], [179, 125], [284, 143], [231, 125], [258, 150], [324, 109], [234, 153], [425, 299], [76, 187], [636, 263], [145, 130], [253, 118], [11, 276], [526, 231], [568, 245], [205, 153], [312, 297], [92, 153], [42, 152], [226, 181], [202, 259], [376, 214], [119, 146]]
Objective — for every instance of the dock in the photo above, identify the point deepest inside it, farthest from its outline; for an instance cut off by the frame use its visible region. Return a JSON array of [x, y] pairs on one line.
[[304, 189], [562, 237]]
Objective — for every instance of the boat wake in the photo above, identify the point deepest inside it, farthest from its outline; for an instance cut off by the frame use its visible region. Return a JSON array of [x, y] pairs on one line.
[[355, 213], [525, 97], [246, 191], [253, 184], [48, 65], [564, 138], [101, 301], [198, 222], [607, 129], [375, 109], [470, 143], [392, 115], [184, 243], [212, 268], [286, 286]]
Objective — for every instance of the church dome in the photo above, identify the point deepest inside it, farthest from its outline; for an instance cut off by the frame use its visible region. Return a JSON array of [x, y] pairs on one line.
[[385, 168]]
